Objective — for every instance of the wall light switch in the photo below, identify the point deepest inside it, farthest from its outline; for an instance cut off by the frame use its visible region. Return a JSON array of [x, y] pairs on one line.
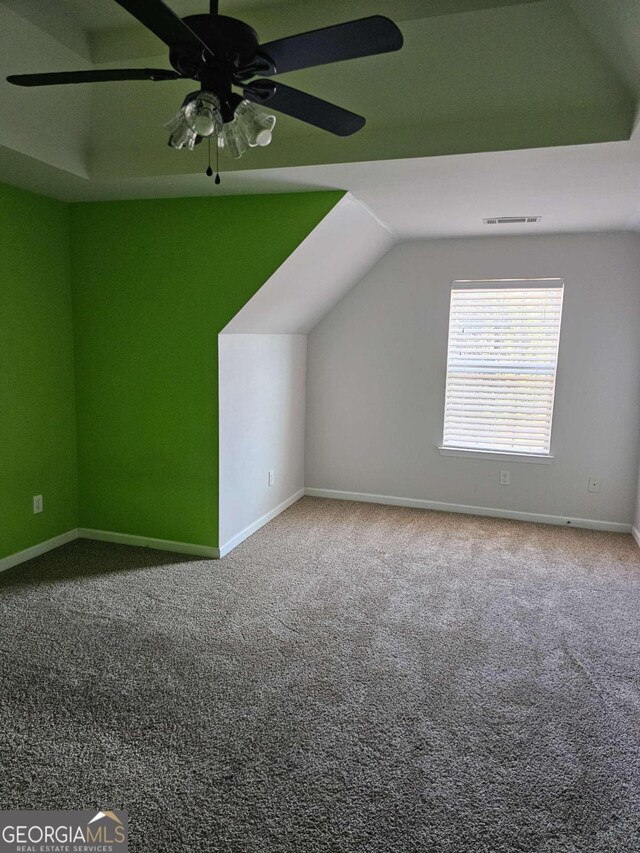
[[271, 478], [37, 503], [505, 478], [594, 484]]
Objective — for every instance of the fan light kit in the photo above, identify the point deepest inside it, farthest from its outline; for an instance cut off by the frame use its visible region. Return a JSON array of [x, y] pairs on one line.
[[201, 117], [223, 54]]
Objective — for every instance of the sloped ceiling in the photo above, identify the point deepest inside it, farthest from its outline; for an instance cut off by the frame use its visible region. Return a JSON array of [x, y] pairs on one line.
[[474, 76], [339, 251]]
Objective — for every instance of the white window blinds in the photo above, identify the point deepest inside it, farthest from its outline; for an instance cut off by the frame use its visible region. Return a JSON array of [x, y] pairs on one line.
[[501, 366]]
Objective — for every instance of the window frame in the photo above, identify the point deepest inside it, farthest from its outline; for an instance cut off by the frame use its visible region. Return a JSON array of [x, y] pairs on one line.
[[501, 454]]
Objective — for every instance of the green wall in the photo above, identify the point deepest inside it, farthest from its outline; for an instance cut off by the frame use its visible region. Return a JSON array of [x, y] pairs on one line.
[[37, 420], [153, 284]]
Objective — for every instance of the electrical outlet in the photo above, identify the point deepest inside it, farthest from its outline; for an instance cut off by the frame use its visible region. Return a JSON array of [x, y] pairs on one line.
[[271, 478], [594, 484], [37, 504], [505, 478]]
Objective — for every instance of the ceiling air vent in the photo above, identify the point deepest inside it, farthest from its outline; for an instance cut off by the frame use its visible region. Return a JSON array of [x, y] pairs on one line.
[[511, 220]]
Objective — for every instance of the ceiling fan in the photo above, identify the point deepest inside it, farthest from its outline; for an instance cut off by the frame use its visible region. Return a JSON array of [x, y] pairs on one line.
[[222, 54]]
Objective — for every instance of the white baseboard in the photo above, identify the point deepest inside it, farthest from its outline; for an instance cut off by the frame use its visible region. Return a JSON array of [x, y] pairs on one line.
[[148, 542], [36, 550], [256, 525], [538, 518], [388, 500]]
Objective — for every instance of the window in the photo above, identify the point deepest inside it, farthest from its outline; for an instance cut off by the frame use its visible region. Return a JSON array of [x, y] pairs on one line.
[[501, 365]]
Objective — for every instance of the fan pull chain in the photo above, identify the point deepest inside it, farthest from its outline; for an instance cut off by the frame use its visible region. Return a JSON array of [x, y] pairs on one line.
[[209, 172]]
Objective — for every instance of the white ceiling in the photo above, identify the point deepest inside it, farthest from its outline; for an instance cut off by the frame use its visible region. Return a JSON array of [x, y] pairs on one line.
[[104, 14], [577, 188], [46, 127]]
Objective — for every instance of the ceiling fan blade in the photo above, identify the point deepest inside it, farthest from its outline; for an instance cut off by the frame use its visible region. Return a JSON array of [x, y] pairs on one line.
[[304, 107], [365, 37], [61, 77], [163, 22]]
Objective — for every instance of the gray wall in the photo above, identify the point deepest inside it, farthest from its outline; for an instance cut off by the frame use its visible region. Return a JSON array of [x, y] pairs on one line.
[[376, 379], [636, 520]]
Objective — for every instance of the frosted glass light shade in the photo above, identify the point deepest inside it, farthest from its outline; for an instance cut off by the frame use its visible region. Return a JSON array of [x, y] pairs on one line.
[[181, 135], [202, 114], [233, 140], [257, 123], [199, 115]]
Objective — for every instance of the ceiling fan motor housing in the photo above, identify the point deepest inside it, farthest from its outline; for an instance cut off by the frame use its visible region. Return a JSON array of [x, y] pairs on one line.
[[233, 45]]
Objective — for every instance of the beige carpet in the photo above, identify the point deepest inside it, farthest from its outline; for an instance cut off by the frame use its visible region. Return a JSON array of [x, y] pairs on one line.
[[352, 678]]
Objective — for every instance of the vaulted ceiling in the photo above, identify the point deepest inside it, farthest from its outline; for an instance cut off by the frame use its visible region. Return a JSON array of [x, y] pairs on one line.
[[474, 76]]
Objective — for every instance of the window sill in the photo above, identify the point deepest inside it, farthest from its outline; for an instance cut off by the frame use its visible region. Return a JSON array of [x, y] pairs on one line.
[[497, 456]]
